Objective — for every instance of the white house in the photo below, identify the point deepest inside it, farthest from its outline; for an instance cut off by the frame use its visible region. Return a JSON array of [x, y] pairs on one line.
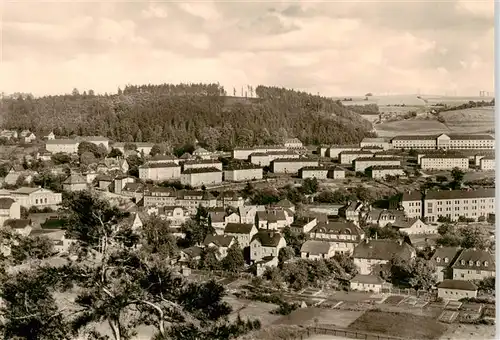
[[414, 226], [456, 289], [160, 171], [442, 260], [315, 250], [196, 177], [221, 242], [242, 232], [487, 163], [37, 197], [367, 283], [62, 145], [266, 243], [202, 153], [370, 253], [75, 182], [247, 172], [9, 209], [217, 221]]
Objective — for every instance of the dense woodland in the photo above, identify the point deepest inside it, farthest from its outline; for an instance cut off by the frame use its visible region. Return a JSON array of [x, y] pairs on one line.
[[181, 114]]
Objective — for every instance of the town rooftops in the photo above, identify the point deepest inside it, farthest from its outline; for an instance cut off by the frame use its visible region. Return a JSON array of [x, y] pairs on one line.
[[202, 161], [267, 238], [313, 247], [75, 179], [460, 194], [337, 227], [457, 284], [165, 158], [403, 223], [475, 259], [387, 167], [412, 196], [284, 203], [159, 165], [200, 170], [238, 228], [377, 159], [367, 279], [345, 146], [242, 166], [61, 141], [445, 256], [470, 137], [25, 190], [445, 156], [195, 194], [6, 202], [382, 250], [218, 240], [375, 140], [295, 160], [354, 152]]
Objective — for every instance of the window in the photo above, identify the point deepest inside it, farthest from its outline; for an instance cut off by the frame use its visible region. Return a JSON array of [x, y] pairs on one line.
[[36, 201], [445, 260], [438, 259], [486, 263]]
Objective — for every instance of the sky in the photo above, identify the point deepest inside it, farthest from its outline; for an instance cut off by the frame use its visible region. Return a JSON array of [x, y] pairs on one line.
[[335, 48]]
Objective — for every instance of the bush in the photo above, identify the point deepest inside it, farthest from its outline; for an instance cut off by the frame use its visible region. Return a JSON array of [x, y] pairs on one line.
[[285, 308]]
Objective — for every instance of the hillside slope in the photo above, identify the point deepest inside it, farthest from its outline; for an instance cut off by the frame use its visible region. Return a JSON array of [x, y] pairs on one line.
[[182, 113]]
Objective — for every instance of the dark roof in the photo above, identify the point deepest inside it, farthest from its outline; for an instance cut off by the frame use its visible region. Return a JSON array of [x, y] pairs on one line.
[[134, 187], [218, 240], [446, 156], [415, 137], [163, 158], [238, 228], [475, 255], [17, 224], [216, 216], [315, 168], [412, 196], [160, 165], [337, 228], [192, 251], [386, 167], [463, 194], [457, 284], [470, 137], [314, 247], [198, 194], [382, 250], [377, 159], [368, 279], [354, 152], [6, 202], [284, 203], [202, 161], [267, 238], [405, 222], [61, 141], [242, 166], [445, 252], [75, 179], [200, 171], [295, 160]]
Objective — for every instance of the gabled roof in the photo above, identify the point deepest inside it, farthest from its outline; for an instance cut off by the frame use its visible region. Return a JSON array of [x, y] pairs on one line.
[[442, 253], [200, 171], [367, 279], [457, 284], [163, 158], [218, 240], [75, 179], [267, 238], [462, 194], [382, 250], [475, 255], [192, 251], [238, 228], [284, 203], [160, 165], [403, 223], [216, 216], [133, 187], [314, 247], [26, 190], [61, 141], [337, 228]]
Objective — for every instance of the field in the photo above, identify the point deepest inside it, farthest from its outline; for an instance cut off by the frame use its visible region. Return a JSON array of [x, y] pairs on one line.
[[412, 127], [399, 324], [331, 317], [470, 120], [252, 310]]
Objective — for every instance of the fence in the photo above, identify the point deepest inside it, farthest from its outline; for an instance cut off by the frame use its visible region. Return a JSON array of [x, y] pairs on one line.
[[352, 334], [406, 291]]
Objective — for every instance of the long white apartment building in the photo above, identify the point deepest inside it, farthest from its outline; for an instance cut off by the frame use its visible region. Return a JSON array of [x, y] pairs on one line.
[[444, 162], [444, 141], [265, 158], [292, 165], [244, 153], [449, 203], [487, 163], [243, 172], [347, 157], [363, 163], [160, 171], [380, 142], [202, 163]]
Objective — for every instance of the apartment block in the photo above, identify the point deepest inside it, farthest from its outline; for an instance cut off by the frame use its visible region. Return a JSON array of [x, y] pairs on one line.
[[347, 157], [319, 172], [201, 176], [265, 158], [444, 142], [382, 143], [244, 153], [362, 163], [62, 145], [240, 173], [160, 171], [291, 165], [444, 162], [487, 163], [202, 163], [334, 150], [381, 171]]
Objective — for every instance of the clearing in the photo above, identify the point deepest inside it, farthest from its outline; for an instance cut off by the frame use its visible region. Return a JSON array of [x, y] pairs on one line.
[[399, 325]]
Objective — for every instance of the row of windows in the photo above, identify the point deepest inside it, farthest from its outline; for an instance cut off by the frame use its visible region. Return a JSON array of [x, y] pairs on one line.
[[41, 200]]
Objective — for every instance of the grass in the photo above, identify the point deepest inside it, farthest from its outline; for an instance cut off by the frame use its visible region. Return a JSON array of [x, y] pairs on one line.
[[307, 317], [253, 310], [470, 120], [410, 127], [399, 325]]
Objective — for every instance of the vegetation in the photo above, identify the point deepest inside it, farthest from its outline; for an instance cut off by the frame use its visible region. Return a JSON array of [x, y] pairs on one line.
[[183, 113], [471, 236]]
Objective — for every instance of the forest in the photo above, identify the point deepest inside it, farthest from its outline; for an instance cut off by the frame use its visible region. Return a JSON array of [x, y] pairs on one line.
[[186, 113]]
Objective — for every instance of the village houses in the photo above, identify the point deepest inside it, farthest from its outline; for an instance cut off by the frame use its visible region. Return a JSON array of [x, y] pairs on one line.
[[243, 232], [316, 250], [266, 243], [342, 235]]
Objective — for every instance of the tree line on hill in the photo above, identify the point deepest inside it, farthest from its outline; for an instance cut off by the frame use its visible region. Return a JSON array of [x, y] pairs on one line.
[[183, 114]]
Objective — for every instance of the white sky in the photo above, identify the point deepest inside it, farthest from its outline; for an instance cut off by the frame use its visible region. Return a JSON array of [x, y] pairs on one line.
[[336, 48]]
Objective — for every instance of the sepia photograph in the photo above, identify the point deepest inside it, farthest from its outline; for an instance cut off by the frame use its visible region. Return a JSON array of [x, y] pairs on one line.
[[247, 170]]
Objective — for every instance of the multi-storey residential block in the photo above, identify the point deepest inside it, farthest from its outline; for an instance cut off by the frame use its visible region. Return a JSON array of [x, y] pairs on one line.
[[202, 153], [37, 197], [303, 224], [163, 159], [291, 165], [336, 173], [343, 236], [444, 141], [243, 172], [414, 142], [383, 143], [62, 145], [347, 157], [444, 162], [293, 143], [160, 171], [371, 253], [381, 171], [202, 163], [230, 199], [487, 163], [198, 177], [412, 204], [456, 203], [265, 159], [383, 217], [362, 163], [244, 153], [192, 199], [473, 264], [334, 150], [319, 172], [322, 150]]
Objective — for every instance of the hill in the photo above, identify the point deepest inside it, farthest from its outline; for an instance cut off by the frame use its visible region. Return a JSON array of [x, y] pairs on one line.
[[181, 114]]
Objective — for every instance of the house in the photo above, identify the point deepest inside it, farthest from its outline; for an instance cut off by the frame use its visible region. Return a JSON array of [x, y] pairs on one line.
[[383, 143], [456, 289], [293, 143], [292, 165], [264, 263], [20, 226], [230, 199], [190, 254], [176, 215], [202, 153], [342, 235], [442, 260], [136, 220], [105, 183], [370, 253], [232, 218], [9, 209], [57, 236], [121, 181], [113, 164], [217, 221], [13, 175], [50, 136], [75, 182], [285, 204], [133, 190], [318, 172], [414, 226], [271, 219], [27, 136], [37, 197], [8, 134], [303, 224], [243, 172], [43, 155], [316, 250], [347, 157], [367, 283], [192, 199], [336, 173], [197, 177], [243, 232], [473, 264], [412, 204], [97, 140], [363, 163], [266, 243], [160, 171], [62, 145], [221, 242], [383, 217], [382, 171], [351, 211], [487, 163], [245, 152], [202, 163], [247, 213]]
